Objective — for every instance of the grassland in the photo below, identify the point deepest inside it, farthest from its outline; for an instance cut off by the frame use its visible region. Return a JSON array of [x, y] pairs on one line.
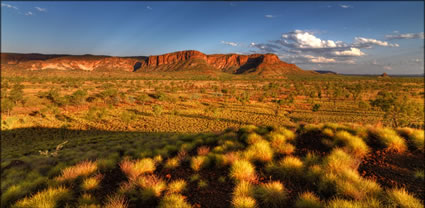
[[143, 141]]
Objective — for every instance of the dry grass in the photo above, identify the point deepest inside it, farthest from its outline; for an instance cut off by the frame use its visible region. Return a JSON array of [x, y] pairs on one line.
[[355, 145], [243, 202], [308, 200], [151, 185], [177, 186], [48, 198], [242, 170], [259, 151], [133, 169], [203, 150], [198, 162], [390, 139], [244, 188], [116, 201], [401, 198], [272, 194], [174, 201], [84, 168], [91, 183]]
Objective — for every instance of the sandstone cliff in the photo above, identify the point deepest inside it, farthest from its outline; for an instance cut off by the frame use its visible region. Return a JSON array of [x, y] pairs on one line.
[[261, 64]]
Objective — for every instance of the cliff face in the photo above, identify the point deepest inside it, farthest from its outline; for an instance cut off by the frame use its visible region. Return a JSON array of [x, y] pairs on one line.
[[261, 64]]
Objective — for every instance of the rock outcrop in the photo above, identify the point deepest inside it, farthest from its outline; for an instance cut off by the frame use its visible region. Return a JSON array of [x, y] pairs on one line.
[[261, 64]]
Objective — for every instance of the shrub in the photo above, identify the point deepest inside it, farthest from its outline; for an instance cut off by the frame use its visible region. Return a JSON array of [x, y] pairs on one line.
[[259, 151], [401, 198], [390, 140], [134, 169], [151, 185], [198, 162], [354, 144], [176, 186], [84, 168], [116, 201], [173, 201], [272, 194], [243, 202], [242, 170], [48, 198], [308, 200]]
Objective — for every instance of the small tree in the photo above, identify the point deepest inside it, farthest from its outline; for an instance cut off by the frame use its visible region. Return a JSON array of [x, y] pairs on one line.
[[7, 105], [16, 95]]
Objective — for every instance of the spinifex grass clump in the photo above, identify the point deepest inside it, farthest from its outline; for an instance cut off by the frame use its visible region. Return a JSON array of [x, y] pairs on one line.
[[134, 169], [199, 162], [401, 198], [116, 201], [177, 186], [308, 200], [91, 183], [389, 139], [174, 201], [354, 145], [243, 202], [279, 142], [242, 170], [259, 151], [152, 186], [289, 167], [272, 194], [415, 137], [84, 168], [49, 198]]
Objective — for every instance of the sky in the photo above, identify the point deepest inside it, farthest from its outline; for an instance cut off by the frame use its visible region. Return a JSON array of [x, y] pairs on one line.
[[345, 37]]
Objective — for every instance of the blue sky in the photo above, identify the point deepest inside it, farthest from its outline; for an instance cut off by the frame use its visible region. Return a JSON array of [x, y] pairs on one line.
[[346, 37]]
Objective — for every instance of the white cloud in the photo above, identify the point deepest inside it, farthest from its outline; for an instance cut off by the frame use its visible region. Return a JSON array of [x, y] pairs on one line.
[[41, 9], [269, 16], [303, 39], [406, 36], [29, 14], [344, 6], [8, 6], [351, 52], [265, 47], [229, 43], [149, 7], [319, 59], [361, 42]]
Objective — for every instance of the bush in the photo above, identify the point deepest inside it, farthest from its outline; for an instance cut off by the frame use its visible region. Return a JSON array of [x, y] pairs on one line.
[[272, 194], [242, 170]]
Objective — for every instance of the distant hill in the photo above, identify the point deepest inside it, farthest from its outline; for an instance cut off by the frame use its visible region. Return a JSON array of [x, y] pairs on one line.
[[258, 64], [325, 72]]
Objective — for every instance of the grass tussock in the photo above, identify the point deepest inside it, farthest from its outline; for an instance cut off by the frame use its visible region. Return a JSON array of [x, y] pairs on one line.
[[289, 167], [242, 170], [244, 188], [203, 150], [49, 198], [243, 202], [171, 163], [91, 183], [308, 200], [174, 201], [272, 194], [354, 144], [415, 137], [152, 186], [401, 198], [259, 151], [177, 186], [199, 162], [390, 139], [133, 169], [116, 201], [84, 168]]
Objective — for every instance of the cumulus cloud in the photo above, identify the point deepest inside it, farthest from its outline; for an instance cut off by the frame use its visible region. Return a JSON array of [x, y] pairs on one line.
[[29, 14], [8, 6], [301, 47], [361, 42], [229, 43], [344, 6], [269, 16], [351, 52], [266, 47], [41, 9], [406, 36]]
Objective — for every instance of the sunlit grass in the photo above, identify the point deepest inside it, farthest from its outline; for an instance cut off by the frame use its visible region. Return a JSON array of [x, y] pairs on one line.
[[271, 194], [84, 168], [242, 170], [134, 169], [48, 198]]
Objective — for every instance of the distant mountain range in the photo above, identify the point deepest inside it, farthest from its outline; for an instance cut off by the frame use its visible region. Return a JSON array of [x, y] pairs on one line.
[[258, 64]]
